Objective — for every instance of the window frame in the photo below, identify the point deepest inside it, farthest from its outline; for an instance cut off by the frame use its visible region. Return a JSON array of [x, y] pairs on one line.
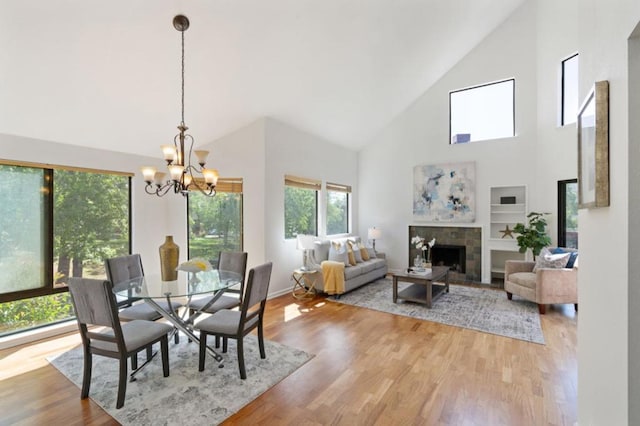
[[513, 108], [302, 183], [337, 187], [227, 185], [562, 210], [50, 288], [562, 90]]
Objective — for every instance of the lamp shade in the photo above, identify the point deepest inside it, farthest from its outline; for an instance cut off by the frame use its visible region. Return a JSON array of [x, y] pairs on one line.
[[375, 233], [305, 242]]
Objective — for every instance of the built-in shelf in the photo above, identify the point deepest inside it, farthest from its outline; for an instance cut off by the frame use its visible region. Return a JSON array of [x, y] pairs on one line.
[[508, 206]]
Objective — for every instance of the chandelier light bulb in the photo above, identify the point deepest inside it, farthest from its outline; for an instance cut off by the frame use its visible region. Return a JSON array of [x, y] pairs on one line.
[[148, 173]]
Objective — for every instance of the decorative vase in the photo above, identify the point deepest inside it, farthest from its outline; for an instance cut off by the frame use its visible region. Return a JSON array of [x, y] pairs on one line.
[[417, 262], [169, 254]]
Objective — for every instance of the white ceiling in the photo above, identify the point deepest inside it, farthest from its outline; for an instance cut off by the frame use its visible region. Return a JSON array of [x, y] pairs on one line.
[[107, 73]]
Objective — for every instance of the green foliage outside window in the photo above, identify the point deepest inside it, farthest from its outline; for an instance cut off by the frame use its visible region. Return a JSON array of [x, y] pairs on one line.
[[215, 224], [90, 223], [337, 213], [300, 211]]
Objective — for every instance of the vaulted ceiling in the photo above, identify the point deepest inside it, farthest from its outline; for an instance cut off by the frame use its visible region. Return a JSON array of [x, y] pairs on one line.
[[107, 73]]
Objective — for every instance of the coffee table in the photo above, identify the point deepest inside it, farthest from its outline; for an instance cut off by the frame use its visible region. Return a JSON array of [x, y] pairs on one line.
[[423, 288]]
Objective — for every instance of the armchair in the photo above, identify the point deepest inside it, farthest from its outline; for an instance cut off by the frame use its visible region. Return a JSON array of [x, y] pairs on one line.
[[544, 286]]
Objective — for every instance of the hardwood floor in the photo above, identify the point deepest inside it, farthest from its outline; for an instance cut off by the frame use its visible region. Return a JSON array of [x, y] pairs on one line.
[[369, 368]]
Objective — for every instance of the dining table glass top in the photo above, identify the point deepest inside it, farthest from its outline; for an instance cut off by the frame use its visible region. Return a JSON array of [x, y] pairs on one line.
[[188, 284]]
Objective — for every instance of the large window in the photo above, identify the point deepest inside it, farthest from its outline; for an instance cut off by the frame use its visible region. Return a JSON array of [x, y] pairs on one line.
[[215, 223], [569, 90], [482, 112], [568, 213], [300, 206], [337, 208], [54, 224]]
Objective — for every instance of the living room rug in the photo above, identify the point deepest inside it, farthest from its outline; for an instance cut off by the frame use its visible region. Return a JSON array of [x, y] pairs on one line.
[[187, 396], [485, 310]]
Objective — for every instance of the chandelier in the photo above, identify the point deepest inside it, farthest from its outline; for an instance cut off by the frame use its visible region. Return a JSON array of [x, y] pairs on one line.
[[184, 175]]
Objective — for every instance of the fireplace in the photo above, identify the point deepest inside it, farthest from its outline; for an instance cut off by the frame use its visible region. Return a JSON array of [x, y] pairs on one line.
[[461, 249], [455, 257]]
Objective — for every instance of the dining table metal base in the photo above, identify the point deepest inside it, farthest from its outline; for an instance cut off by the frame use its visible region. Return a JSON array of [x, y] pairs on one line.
[[186, 326]]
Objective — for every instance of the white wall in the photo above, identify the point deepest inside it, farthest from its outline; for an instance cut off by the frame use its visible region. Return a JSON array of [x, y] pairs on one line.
[[153, 217], [556, 146], [606, 273], [420, 136], [292, 151], [262, 153]]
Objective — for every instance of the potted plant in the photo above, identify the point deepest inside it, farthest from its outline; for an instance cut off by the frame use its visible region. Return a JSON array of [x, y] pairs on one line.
[[533, 236]]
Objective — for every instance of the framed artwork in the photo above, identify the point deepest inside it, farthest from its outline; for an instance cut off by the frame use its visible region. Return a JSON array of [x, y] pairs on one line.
[[593, 148], [444, 192]]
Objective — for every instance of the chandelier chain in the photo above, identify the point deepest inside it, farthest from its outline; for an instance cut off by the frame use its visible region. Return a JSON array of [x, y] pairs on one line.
[[182, 77]]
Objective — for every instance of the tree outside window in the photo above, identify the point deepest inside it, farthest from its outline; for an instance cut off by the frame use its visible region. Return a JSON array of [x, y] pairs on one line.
[[337, 208], [55, 223]]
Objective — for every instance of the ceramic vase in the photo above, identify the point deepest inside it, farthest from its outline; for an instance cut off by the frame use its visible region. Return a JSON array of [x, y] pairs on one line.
[[169, 254]]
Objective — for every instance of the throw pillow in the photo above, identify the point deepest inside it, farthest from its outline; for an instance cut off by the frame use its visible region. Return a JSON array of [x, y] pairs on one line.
[[352, 258], [338, 253], [356, 251], [572, 258], [363, 252], [372, 253], [548, 260]]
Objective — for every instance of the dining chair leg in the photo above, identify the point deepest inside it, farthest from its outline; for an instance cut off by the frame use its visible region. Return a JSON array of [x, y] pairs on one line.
[[224, 345], [134, 361], [243, 373], [217, 342], [86, 377], [164, 348], [203, 350], [122, 382], [263, 354], [149, 352]]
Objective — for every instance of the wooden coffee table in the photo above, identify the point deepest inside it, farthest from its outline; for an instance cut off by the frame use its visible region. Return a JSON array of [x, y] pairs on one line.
[[423, 288]]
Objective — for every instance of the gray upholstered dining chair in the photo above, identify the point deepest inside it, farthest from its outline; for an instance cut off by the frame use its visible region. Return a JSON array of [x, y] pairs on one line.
[[95, 305], [124, 268], [227, 261], [230, 324]]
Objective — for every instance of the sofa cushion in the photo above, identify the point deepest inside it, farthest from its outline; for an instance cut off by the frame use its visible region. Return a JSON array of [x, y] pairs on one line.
[[525, 279], [353, 271]]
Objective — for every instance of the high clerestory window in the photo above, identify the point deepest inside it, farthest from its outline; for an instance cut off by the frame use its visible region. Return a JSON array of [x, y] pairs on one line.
[[300, 206], [569, 90], [55, 223], [482, 112]]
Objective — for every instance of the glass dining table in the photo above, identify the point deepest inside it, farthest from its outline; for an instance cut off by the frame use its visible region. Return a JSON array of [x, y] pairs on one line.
[[189, 284]]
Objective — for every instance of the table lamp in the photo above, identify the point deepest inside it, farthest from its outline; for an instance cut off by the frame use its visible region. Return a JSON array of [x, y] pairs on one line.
[[374, 234], [305, 243]]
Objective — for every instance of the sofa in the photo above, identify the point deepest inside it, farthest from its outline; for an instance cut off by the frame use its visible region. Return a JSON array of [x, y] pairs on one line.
[[551, 279], [363, 272]]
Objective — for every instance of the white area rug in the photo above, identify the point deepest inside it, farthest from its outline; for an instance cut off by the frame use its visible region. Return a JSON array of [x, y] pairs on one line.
[[479, 309], [187, 396]]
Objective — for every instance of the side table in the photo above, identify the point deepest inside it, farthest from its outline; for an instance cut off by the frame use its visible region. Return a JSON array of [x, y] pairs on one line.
[[304, 283]]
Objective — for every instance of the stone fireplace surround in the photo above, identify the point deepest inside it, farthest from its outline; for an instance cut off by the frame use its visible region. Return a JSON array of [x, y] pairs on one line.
[[469, 237]]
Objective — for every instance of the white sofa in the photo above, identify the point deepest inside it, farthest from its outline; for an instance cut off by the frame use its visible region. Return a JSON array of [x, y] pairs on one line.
[[354, 276]]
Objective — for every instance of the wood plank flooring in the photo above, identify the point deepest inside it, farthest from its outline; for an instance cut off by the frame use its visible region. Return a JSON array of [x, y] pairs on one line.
[[370, 368]]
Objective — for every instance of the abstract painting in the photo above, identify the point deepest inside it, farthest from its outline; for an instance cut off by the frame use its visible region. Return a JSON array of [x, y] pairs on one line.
[[444, 192]]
